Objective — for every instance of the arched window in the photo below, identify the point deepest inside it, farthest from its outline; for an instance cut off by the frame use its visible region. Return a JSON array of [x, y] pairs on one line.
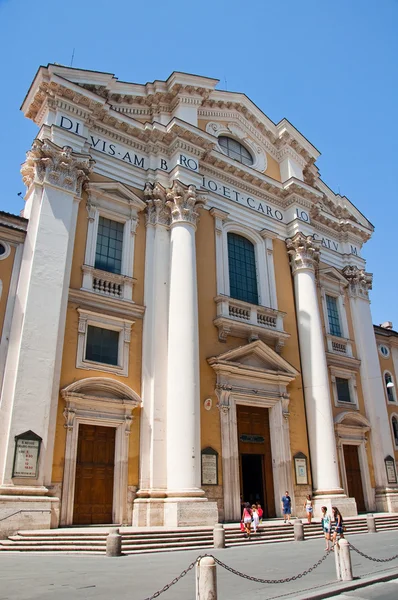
[[235, 150], [389, 386], [242, 269], [395, 429]]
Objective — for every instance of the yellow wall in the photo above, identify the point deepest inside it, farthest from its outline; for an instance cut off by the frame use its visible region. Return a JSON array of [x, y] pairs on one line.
[[6, 266], [69, 372], [387, 364], [209, 345]]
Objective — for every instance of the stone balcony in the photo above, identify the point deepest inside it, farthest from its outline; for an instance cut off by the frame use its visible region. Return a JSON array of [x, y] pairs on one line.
[[339, 352], [250, 321], [112, 285]]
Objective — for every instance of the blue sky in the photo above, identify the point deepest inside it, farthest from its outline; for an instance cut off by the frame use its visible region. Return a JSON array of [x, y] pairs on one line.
[[329, 66]]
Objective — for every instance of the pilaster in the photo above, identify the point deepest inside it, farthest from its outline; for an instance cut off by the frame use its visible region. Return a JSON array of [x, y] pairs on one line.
[[360, 282], [55, 177]]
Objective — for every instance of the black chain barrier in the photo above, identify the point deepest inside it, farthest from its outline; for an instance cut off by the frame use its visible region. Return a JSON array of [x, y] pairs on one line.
[[380, 560], [238, 573]]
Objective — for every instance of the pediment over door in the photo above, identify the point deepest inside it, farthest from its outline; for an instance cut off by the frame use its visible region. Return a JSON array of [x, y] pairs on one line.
[[254, 362]]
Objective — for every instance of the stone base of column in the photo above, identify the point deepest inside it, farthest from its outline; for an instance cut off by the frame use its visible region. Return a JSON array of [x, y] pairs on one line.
[[20, 512], [387, 500], [347, 506], [174, 512]]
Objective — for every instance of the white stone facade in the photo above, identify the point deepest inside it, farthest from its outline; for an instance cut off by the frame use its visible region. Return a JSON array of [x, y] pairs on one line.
[[151, 159]]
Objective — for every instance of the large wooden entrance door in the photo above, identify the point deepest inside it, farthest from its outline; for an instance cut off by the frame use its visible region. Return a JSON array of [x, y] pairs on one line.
[[255, 459], [94, 475], [353, 474]]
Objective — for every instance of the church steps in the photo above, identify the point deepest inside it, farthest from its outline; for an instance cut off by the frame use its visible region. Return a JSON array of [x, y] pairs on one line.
[[84, 541]]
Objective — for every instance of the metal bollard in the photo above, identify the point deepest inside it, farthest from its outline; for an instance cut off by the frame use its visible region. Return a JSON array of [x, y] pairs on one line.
[[206, 579], [345, 561], [219, 536], [371, 523], [114, 543], [298, 529]]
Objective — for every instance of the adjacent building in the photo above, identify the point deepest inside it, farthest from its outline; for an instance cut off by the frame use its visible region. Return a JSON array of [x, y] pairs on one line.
[[184, 316]]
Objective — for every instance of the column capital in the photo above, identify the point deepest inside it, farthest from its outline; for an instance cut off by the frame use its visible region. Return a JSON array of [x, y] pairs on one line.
[[303, 251], [184, 202], [47, 163], [158, 212], [360, 282]]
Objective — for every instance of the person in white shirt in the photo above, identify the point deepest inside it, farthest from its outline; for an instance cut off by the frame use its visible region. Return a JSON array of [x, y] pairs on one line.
[[255, 518]]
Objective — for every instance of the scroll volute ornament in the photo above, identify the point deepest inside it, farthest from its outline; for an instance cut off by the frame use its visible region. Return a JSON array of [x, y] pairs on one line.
[[303, 251], [62, 167], [184, 202]]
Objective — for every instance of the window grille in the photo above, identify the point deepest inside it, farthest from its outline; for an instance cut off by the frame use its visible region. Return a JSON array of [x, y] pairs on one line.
[[102, 345], [242, 269], [235, 150], [108, 254], [333, 316]]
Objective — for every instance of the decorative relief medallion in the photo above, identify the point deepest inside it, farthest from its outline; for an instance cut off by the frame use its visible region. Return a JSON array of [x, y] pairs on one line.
[[48, 163], [304, 252]]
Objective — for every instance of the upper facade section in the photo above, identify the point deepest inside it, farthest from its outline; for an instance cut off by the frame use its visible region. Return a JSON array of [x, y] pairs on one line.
[[260, 173]]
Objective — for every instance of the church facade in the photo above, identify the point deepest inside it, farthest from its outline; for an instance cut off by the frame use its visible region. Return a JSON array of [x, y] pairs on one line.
[[185, 316]]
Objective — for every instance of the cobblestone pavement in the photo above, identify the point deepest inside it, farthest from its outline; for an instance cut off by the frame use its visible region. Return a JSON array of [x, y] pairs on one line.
[[43, 576]]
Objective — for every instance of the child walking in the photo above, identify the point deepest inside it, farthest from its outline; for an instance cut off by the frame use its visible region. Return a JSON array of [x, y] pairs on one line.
[[255, 518]]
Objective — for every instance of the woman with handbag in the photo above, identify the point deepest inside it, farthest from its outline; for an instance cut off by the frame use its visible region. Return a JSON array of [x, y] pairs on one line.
[[338, 526]]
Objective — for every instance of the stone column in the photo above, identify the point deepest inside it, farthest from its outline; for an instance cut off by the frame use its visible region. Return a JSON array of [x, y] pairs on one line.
[[304, 258], [183, 383], [380, 437], [54, 177], [148, 507]]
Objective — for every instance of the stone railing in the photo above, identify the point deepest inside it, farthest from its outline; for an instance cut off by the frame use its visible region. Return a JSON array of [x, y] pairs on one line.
[[235, 317], [339, 345], [108, 284]]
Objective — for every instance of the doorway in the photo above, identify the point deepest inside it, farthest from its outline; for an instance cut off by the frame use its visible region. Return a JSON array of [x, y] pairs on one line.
[[353, 474], [255, 458], [95, 466]]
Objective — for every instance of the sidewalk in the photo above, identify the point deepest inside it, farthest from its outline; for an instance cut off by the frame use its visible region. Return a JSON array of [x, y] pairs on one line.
[[34, 577]]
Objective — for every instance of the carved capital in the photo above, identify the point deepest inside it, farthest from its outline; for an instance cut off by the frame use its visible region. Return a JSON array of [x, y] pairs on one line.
[[360, 282], [62, 167], [158, 212], [184, 203], [303, 251]]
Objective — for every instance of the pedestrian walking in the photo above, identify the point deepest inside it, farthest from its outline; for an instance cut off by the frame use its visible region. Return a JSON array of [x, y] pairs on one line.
[[326, 525], [338, 525], [255, 518], [309, 509], [286, 507], [260, 512], [247, 518]]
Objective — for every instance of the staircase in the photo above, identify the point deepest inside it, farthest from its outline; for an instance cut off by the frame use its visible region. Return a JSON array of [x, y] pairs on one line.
[[139, 541]]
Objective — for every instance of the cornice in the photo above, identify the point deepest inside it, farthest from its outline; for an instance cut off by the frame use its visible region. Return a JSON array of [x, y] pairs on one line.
[[122, 308], [339, 224]]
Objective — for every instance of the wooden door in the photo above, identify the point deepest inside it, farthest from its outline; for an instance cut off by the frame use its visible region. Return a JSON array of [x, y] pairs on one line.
[[94, 475], [353, 473], [255, 441]]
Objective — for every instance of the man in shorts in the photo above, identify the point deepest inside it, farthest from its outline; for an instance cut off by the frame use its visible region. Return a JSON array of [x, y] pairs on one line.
[[286, 507]]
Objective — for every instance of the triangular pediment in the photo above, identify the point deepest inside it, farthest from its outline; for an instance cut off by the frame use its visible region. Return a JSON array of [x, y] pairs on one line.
[[117, 191], [255, 356], [333, 274]]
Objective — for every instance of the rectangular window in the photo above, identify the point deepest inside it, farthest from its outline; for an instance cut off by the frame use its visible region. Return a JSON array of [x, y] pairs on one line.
[[108, 253], [102, 345], [333, 316], [343, 389]]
